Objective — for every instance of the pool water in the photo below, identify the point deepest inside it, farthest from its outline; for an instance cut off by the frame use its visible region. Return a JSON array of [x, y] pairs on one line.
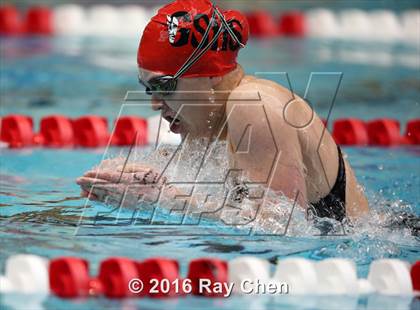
[[41, 211]]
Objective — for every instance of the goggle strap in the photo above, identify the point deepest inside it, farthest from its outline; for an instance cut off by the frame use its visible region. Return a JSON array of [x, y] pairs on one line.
[[194, 56], [186, 66], [203, 39], [224, 22], [198, 56]]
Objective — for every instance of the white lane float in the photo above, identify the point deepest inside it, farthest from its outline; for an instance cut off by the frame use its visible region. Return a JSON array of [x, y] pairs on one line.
[[336, 276], [69, 19], [364, 287], [390, 277], [385, 26], [298, 273], [27, 274], [410, 25], [355, 25], [300, 276], [6, 286], [103, 20], [133, 19], [248, 268], [322, 23]]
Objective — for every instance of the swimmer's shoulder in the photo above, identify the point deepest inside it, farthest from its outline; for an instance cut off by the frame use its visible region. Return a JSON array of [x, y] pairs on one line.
[[262, 89]]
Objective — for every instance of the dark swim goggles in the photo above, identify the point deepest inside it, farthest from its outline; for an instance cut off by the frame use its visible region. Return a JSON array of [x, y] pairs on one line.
[[166, 84]]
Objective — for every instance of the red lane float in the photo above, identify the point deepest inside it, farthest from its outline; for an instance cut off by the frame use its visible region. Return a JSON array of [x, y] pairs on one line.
[[91, 131], [57, 131], [412, 133], [39, 21], [10, 21], [69, 277], [261, 24], [350, 131], [384, 132], [159, 269], [130, 130], [292, 24], [115, 274], [212, 269], [415, 275], [17, 131]]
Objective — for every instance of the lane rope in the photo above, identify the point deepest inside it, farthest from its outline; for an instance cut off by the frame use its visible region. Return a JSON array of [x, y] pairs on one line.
[[157, 277], [90, 131]]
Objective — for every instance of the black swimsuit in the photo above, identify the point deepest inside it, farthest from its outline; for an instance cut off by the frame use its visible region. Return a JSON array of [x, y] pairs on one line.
[[334, 204]]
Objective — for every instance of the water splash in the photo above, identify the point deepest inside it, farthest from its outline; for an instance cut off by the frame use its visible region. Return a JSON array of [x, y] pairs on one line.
[[378, 234]]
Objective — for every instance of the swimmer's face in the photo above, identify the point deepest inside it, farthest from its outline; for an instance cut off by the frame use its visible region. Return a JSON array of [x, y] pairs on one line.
[[172, 23], [190, 109]]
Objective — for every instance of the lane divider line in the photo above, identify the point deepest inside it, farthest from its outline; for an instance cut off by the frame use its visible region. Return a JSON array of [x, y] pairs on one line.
[[91, 131], [130, 20], [159, 277]]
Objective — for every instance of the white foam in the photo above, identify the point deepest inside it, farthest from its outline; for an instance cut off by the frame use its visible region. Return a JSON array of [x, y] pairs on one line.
[[159, 131]]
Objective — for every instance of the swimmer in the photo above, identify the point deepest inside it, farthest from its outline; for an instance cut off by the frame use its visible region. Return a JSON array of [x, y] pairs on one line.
[[188, 54]]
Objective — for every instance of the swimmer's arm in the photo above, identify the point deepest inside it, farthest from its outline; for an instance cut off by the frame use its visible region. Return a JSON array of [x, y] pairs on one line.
[[257, 147], [140, 185], [123, 190]]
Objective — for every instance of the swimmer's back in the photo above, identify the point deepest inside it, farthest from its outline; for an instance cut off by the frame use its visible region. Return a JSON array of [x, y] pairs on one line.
[[318, 148]]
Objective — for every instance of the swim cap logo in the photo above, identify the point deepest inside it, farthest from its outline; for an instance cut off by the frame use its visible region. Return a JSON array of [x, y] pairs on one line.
[[172, 23], [200, 24]]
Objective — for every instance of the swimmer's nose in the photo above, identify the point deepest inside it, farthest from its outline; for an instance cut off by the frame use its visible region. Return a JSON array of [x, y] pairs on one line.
[[156, 104]]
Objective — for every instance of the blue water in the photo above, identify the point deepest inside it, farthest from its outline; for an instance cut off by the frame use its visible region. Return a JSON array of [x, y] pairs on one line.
[[42, 213]]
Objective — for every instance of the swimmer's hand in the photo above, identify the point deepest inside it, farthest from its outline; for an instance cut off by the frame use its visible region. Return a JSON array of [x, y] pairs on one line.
[[126, 186]]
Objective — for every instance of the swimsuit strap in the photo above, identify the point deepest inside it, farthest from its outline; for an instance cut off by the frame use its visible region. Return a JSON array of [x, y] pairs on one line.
[[334, 204]]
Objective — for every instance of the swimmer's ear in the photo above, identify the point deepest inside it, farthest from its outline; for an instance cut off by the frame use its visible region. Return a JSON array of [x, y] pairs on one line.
[[215, 80]]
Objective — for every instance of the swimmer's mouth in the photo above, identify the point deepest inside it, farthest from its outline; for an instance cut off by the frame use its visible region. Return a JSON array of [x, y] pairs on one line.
[[174, 123]]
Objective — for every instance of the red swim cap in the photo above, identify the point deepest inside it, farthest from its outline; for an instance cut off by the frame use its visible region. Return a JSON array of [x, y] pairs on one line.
[[177, 29]]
